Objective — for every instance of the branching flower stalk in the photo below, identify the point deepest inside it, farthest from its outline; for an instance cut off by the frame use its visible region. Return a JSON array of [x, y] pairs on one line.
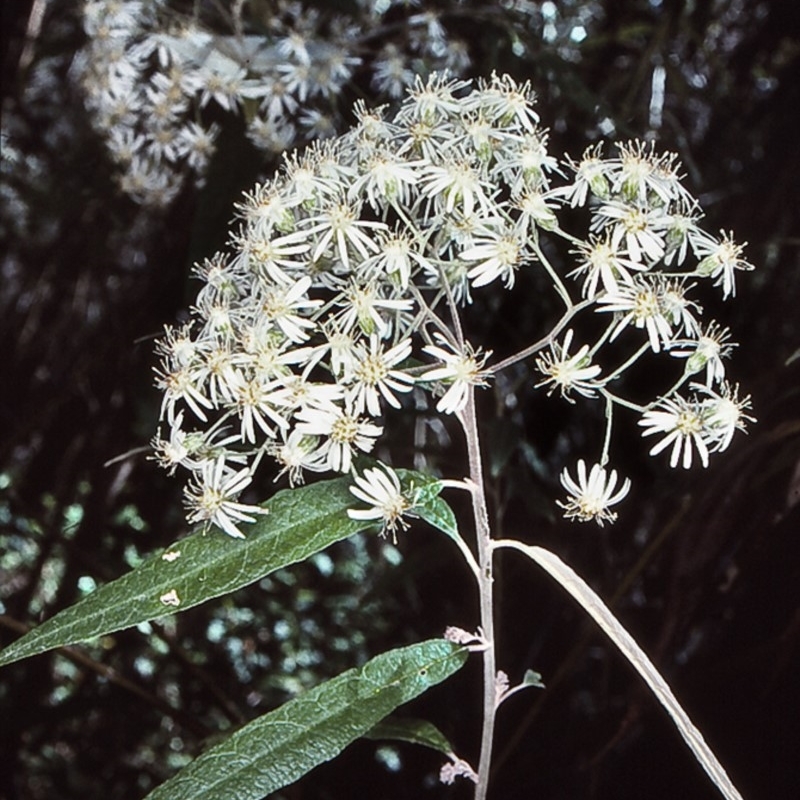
[[347, 292]]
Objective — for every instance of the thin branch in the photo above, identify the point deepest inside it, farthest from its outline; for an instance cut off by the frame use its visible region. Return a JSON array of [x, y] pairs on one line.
[[543, 342]]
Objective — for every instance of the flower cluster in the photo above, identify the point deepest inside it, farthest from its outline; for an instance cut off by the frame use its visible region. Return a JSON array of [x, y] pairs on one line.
[[155, 77], [346, 276], [644, 251]]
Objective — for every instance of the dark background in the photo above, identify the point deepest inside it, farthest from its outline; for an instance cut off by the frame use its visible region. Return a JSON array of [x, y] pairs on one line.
[[702, 566]]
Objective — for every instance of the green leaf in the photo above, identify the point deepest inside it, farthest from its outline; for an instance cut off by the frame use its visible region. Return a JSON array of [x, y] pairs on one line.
[[428, 505], [204, 565], [280, 747], [532, 678], [416, 731]]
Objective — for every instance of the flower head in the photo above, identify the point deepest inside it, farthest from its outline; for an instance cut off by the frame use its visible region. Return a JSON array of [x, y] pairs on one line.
[[640, 303], [459, 368], [684, 427], [592, 496], [211, 497], [724, 413], [720, 260], [567, 372], [380, 489]]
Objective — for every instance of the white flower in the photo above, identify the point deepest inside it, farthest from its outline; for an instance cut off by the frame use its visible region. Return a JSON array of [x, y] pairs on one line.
[[525, 165], [685, 427], [708, 350], [591, 497], [602, 263], [720, 260], [500, 254], [569, 372], [343, 430], [374, 376], [642, 172], [387, 179], [681, 232], [340, 224], [460, 368], [380, 489], [506, 100], [390, 74], [197, 144], [363, 305], [181, 384], [264, 208], [534, 210], [296, 453], [221, 79], [210, 497], [434, 99], [640, 303], [396, 259], [724, 414], [455, 182], [282, 304], [340, 348], [175, 451], [254, 400], [642, 230], [270, 254], [191, 449], [591, 175], [677, 308]]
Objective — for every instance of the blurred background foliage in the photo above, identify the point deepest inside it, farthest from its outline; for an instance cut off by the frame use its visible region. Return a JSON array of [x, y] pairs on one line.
[[703, 566]]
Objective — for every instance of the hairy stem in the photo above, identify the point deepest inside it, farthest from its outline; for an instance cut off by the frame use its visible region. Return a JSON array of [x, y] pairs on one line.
[[485, 580]]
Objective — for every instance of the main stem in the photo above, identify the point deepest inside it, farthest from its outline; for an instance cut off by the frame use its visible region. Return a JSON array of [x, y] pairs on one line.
[[485, 580]]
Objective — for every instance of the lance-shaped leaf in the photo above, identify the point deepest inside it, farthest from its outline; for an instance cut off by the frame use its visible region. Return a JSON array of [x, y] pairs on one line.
[[209, 564], [280, 747]]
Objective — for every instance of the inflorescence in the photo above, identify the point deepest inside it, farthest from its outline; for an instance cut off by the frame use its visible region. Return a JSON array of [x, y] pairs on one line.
[[341, 290]]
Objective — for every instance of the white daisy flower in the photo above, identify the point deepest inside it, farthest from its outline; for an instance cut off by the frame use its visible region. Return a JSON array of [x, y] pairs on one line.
[[707, 351], [273, 256], [591, 496], [210, 497], [569, 373], [499, 253], [642, 230], [684, 426], [460, 369], [720, 258], [364, 306], [602, 263], [340, 225], [374, 376], [295, 453], [181, 385], [281, 306], [591, 176], [641, 304], [455, 185], [343, 430], [380, 489], [724, 414], [254, 400]]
